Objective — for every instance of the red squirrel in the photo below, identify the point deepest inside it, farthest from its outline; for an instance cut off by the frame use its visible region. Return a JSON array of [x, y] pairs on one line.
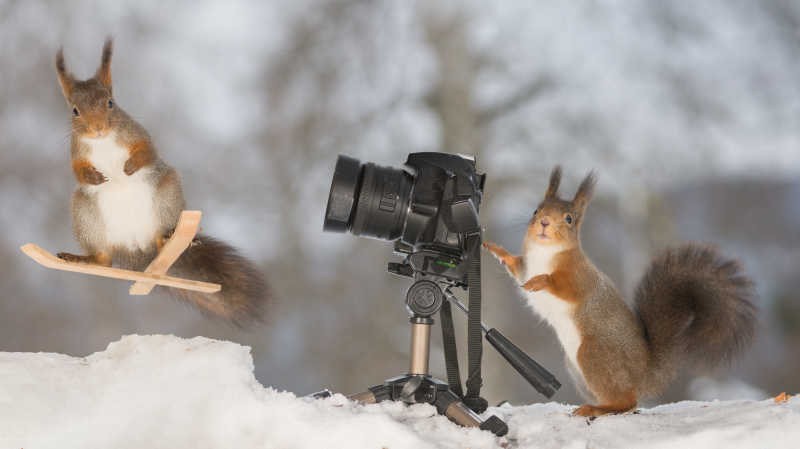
[[128, 201], [692, 305]]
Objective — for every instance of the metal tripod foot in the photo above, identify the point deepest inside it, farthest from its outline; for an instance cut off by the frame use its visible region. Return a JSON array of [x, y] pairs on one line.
[[417, 388]]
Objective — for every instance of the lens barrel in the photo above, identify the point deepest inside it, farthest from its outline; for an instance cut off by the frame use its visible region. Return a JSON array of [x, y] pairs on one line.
[[344, 191], [367, 199]]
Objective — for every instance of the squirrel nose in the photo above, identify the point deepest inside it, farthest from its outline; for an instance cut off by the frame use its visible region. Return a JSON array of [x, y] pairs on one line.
[[545, 222]]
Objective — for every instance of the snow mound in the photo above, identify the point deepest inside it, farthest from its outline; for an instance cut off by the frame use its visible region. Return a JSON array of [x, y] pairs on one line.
[[163, 391]]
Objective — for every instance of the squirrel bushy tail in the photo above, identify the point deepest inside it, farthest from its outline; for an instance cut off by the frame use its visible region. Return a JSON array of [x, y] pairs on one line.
[[244, 292], [695, 304]]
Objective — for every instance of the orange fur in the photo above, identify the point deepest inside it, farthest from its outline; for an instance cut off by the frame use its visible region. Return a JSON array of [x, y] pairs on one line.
[[85, 172], [160, 241], [140, 155], [623, 405], [513, 263], [563, 281]]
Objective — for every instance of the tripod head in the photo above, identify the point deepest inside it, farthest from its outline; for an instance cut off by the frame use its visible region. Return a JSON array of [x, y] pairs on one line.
[[435, 276]]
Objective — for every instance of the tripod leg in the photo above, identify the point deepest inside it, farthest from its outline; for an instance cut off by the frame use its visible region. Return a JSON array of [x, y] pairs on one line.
[[450, 405], [378, 393], [461, 414], [366, 397]]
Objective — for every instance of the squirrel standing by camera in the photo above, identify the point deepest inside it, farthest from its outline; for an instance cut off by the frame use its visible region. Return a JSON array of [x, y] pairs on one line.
[[128, 201], [692, 305]]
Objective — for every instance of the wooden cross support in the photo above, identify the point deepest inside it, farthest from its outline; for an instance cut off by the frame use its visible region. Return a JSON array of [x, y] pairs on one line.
[[154, 274]]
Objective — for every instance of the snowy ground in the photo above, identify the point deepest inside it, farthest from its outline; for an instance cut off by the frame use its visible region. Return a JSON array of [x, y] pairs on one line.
[[164, 391]]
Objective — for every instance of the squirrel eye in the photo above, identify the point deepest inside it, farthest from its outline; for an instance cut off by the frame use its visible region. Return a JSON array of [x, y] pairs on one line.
[[110, 104], [568, 218], [75, 112], [535, 212]]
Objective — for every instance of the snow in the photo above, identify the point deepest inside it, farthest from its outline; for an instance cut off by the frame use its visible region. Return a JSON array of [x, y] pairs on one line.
[[164, 391]]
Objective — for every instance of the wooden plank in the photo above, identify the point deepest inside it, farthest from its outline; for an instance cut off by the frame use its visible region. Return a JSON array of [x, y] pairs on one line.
[[181, 238], [48, 260]]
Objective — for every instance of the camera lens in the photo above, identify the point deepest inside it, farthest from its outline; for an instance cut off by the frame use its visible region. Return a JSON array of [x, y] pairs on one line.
[[343, 194], [367, 199]]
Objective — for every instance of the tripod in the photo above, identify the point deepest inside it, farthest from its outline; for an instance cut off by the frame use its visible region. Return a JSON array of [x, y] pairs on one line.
[[424, 299]]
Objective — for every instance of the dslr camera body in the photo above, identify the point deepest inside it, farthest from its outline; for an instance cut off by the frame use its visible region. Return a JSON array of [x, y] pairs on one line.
[[429, 209]]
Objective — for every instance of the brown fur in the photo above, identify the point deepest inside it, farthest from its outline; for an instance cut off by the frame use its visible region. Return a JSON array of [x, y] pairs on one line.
[[243, 291], [141, 155], [85, 172], [555, 181], [104, 71], [99, 258], [697, 306], [65, 79], [692, 304]]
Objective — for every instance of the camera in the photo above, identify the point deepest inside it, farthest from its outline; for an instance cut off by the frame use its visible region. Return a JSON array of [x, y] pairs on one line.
[[429, 208]]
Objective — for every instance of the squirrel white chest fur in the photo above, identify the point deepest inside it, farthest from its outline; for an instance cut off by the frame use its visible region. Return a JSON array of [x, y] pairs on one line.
[[557, 312], [125, 202]]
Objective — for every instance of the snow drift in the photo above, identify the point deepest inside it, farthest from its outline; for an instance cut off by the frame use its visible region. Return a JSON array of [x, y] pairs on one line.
[[163, 391]]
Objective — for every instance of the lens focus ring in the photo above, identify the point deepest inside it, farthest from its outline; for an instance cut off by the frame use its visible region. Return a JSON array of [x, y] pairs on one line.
[[382, 202]]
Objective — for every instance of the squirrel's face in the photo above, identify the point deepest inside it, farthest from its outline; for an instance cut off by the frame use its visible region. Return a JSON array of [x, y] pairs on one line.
[[91, 104], [553, 223], [92, 109], [557, 221]]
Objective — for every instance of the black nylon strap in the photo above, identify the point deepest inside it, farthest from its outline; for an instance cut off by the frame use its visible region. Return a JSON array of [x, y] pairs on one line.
[[474, 382], [450, 349]]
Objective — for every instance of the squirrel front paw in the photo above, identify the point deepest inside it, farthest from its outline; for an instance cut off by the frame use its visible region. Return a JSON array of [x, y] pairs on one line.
[[536, 283], [92, 176], [141, 154], [498, 252], [131, 166]]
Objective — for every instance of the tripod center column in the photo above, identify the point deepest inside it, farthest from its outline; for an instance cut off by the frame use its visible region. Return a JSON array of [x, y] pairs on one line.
[[423, 299], [420, 345]]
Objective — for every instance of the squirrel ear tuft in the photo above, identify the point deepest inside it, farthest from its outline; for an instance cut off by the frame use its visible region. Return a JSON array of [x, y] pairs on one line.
[[64, 77], [555, 180], [104, 71], [585, 191]]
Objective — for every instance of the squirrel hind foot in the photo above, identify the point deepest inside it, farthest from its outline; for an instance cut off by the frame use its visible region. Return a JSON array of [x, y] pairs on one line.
[[593, 411], [161, 241], [69, 257], [98, 259]]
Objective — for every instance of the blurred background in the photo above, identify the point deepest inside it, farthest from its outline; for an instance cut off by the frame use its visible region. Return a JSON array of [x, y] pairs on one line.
[[689, 112]]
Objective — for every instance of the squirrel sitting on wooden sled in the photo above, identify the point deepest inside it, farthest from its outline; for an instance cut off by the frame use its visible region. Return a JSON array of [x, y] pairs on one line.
[[692, 305], [128, 201]]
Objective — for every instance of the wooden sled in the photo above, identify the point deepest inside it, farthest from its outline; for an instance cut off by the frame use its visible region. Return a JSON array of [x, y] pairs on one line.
[[154, 274]]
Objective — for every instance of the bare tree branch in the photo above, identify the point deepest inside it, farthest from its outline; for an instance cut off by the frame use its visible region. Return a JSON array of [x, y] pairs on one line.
[[526, 94]]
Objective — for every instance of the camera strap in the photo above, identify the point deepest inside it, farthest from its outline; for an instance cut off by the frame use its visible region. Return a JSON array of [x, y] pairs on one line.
[[473, 398], [450, 349]]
